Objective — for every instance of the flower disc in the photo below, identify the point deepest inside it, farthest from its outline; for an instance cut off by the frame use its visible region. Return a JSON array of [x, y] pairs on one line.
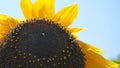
[[41, 43]]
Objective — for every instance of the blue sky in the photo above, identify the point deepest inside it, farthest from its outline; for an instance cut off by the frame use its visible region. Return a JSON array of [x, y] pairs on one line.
[[100, 17]]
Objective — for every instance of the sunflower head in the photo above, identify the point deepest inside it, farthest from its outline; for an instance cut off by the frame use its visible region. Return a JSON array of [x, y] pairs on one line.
[[41, 43], [44, 39]]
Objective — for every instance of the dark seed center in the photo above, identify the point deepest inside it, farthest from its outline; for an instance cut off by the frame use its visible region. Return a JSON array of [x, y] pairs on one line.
[[42, 38], [40, 43]]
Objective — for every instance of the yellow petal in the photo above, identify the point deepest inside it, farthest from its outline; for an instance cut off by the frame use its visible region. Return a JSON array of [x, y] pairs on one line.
[[36, 7], [93, 57], [26, 6], [3, 18], [43, 12], [6, 23], [43, 8], [20, 19], [88, 47], [75, 35], [50, 4], [67, 15], [94, 60], [1, 37], [3, 31], [76, 29]]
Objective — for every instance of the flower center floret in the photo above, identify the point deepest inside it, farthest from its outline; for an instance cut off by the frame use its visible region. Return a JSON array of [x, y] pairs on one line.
[[41, 38]]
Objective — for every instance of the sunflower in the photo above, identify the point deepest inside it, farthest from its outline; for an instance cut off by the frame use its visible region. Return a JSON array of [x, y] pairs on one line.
[[44, 39]]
